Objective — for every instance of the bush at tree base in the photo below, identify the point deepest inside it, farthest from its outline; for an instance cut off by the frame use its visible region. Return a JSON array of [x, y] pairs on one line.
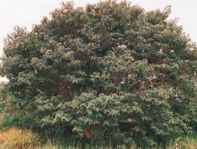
[[110, 70]]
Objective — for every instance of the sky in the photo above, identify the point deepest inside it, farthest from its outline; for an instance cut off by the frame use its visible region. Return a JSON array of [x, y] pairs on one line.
[[25, 13]]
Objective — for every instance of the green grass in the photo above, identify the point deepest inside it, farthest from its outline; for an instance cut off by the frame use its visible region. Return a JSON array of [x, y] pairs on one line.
[[15, 137], [181, 143]]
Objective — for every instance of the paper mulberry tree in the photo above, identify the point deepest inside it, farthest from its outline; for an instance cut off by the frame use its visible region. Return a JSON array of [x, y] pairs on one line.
[[110, 70]]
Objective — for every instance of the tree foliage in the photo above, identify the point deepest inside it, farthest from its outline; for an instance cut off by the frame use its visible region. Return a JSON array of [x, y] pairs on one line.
[[110, 70]]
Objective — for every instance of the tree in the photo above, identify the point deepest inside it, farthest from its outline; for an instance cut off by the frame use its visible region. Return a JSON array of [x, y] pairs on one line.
[[110, 69]]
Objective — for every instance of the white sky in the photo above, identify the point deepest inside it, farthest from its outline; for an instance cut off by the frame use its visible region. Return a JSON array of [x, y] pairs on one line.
[[29, 12]]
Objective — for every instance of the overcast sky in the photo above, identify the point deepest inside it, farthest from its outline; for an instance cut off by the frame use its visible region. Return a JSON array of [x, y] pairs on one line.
[[29, 12]]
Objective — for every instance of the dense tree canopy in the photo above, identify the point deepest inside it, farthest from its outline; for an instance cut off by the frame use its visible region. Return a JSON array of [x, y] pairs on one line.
[[108, 70]]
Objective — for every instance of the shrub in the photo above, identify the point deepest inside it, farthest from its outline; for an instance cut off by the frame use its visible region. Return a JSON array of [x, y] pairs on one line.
[[112, 68]]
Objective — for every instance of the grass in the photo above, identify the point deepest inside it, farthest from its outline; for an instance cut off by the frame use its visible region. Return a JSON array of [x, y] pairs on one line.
[[17, 138], [24, 139], [185, 143]]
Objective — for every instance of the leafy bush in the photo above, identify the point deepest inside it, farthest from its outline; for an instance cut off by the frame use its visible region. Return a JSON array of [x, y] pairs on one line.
[[111, 71]]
